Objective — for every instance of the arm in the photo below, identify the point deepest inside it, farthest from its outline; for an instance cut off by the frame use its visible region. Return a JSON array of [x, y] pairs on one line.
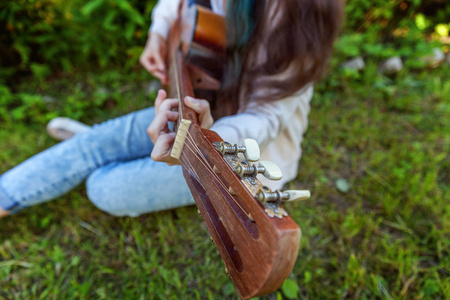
[[155, 51], [263, 122], [163, 15], [158, 130]]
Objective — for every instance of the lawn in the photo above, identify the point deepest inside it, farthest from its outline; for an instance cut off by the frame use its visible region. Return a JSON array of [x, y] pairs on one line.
[[375, 157]]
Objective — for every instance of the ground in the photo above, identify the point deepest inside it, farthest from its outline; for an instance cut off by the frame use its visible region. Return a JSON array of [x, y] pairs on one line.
[[375, 158]]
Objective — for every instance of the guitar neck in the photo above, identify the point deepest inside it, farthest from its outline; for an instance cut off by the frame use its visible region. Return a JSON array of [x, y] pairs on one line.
[[180, 87]]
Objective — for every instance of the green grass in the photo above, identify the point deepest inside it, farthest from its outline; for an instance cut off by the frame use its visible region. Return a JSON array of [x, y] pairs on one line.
[[387, 237]]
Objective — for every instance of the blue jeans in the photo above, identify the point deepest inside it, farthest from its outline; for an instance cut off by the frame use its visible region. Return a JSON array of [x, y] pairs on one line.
[[114, 159]]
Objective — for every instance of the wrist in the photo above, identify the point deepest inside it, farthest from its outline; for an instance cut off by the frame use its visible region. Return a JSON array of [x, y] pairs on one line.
[[160, 26]]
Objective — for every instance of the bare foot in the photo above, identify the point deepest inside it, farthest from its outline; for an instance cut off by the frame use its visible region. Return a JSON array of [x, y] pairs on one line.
[[3, 213]]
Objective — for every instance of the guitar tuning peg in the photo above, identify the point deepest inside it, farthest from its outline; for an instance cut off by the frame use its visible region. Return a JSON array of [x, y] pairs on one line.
[[271, 200], [252, 152], [271, 170], [250, 149], [267, 168], [266, 195], [297, 195]]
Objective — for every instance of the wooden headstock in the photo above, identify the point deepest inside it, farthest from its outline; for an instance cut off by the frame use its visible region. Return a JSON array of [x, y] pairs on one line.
[[259, 251]]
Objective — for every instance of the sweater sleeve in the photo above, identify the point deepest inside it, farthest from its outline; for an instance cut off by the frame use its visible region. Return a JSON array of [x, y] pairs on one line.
[[163, 15], [263, 122]]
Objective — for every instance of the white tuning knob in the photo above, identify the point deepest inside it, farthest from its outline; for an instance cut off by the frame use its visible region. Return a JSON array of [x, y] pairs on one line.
[[298, 195], [250, 149], [266, 195], [252, 152], [271, 170]]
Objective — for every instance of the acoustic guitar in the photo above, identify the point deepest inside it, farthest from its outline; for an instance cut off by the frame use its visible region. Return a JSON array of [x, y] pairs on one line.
[[255, 236]]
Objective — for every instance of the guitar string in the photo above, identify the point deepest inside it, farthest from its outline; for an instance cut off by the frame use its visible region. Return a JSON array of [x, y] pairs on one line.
[[222, 184], [191, 168], [175, 69], [217, 177], [213, 173], [207, 167], [180, 107], [199, 152]]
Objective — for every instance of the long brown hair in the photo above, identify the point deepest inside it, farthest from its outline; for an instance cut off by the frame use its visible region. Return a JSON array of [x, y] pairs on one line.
[[288, 47]]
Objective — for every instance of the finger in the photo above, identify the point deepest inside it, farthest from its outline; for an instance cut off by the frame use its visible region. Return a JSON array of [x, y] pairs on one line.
[[162, 95], [163, 147], [159, 62], [168, 104], [161, 76], [145, 62], [160, 73], [153, 66], [202, 108], [159, 124]]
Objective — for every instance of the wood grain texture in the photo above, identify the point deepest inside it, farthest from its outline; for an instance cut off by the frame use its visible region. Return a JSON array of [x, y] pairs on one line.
[[264, 259]]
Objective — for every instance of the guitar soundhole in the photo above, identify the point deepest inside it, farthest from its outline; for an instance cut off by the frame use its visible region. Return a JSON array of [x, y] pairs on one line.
[[227, 243]]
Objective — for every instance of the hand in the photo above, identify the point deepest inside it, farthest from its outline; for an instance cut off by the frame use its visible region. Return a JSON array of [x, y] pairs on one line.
[[201, 107], [154, 55], [158, 130]]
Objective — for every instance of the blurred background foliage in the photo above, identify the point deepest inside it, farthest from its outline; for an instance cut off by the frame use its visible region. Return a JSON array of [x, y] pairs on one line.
[[47, 36], [45, 39], [42, 37]]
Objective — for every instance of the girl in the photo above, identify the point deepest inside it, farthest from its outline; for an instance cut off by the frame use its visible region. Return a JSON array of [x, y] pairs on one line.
[[275, 51]]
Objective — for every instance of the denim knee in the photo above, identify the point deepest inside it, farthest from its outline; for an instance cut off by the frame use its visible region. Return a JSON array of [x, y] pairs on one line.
[[101, 193], [136, 187]]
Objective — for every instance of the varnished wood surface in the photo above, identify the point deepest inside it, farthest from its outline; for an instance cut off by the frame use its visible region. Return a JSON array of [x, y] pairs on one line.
[[268, 259], [210, 31]]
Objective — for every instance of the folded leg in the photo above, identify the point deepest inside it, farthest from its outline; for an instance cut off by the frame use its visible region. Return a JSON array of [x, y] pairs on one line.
[[60, 168], [136, 187]]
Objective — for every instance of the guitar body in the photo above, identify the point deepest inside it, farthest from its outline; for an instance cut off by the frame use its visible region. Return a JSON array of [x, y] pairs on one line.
[[203, 47], [259, 251]]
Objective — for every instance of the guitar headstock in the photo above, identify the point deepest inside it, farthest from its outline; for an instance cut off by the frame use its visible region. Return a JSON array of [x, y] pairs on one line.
[[256, 238], [241, 164]]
